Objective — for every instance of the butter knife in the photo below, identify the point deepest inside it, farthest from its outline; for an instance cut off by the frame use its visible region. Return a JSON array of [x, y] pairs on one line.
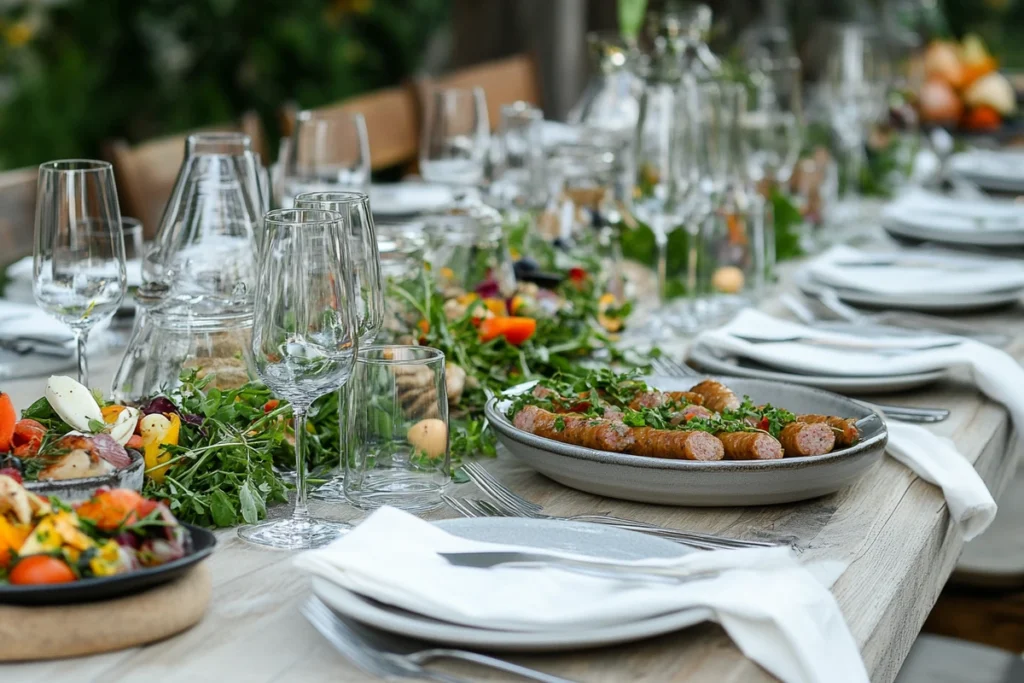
[[596, 567]]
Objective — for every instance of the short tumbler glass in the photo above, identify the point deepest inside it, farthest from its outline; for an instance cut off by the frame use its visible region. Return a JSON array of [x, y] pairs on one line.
[[396, 452]]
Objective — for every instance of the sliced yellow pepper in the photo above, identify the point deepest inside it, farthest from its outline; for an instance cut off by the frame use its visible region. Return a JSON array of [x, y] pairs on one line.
[[155, 435]]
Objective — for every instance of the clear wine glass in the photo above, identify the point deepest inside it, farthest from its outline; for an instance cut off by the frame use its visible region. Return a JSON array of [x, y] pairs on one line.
[[327, 151], [78, 263], [456, 140], [773, 124], [364, 257], [304, 342]]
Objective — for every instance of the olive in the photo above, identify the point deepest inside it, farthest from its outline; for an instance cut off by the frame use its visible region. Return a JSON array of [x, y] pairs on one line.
[[10, 461], [526, 265]]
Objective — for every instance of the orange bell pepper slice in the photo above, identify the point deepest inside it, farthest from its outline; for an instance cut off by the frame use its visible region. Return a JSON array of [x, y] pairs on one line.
[[515, 330], [8, 417]]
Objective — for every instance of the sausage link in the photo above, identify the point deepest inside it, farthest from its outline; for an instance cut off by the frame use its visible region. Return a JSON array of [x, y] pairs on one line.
[[663, 443], [800, 439], [688, 413], [602, 435], [750, 446], [845, 428], [717, 396]]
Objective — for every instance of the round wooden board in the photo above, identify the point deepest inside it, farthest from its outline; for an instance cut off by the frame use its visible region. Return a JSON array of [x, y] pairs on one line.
[[73, 630]]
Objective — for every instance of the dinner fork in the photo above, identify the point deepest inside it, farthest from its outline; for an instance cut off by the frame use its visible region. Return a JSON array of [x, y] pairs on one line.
[[395, 652]]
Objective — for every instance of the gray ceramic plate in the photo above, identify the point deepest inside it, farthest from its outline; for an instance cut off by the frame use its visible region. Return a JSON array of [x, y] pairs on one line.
[[710, 361], [585, 539], [74, 490], [687, 482], [928, 303]]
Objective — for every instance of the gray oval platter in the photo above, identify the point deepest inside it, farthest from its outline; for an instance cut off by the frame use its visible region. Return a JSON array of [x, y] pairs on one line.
[[691, 483], [75, 490]]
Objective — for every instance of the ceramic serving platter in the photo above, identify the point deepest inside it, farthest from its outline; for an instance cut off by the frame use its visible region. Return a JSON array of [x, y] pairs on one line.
[[75, 490], [558, 535], [687, 482], [999, 171]]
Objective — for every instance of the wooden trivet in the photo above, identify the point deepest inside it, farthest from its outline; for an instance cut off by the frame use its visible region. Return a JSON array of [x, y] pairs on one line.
[[73, 630]]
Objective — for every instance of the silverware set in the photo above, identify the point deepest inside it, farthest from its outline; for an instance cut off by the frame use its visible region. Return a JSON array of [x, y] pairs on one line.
[[506, 503], [672, 368], [389, 656]]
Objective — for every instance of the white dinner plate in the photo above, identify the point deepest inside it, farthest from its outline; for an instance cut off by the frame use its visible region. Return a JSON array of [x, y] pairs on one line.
[[912, 301], [409, 198], [1001, 171], [710, 361], [575, 537]]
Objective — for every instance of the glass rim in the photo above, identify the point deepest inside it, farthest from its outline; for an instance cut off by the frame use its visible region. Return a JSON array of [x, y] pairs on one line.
[[430, 355], [330, 197], [76, 166], [327, 115], [472, 90], [326, 217], [220, 136]]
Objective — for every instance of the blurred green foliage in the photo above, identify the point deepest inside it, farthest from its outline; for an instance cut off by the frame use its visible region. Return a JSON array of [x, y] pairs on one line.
[[74, 73]]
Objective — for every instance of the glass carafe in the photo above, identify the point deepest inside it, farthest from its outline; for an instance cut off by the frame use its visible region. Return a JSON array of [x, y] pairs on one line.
[[194, 308], [610, 102], [208, 235]]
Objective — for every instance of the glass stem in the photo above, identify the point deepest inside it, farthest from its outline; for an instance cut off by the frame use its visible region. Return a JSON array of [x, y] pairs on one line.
[[81, 336], [661, 242], [301, 510]]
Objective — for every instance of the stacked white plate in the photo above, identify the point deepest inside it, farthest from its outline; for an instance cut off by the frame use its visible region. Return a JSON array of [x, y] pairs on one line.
[[917, 280], [931, 217], [997, 170]]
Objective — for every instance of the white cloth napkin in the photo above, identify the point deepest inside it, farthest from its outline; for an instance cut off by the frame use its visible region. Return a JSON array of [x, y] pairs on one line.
[[931, 210], [17, 319], [934, 459], [917, 272], [776, 611]]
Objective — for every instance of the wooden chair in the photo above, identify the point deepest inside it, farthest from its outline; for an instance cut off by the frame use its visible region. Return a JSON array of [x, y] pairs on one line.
[[392, 123], [17, 213], [504, 81], [145, 173]]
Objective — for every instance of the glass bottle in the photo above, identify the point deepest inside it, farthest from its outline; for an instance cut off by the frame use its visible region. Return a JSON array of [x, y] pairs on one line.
[[610, 102], [737, 246]]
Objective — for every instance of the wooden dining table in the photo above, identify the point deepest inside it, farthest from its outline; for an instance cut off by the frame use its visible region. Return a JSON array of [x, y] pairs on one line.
[[890, 530]]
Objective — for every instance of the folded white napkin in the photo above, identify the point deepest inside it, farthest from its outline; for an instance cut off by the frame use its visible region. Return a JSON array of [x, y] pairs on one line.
[[916, 272], [17, 319], [994, 372], [776, 611], [936, 460], [21, 270], [931, 210]]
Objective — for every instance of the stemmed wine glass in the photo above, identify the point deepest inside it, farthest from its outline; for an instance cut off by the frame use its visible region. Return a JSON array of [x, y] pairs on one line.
[[773, 124], [328, 151], [456, 140], [78, 263], [304, 342]]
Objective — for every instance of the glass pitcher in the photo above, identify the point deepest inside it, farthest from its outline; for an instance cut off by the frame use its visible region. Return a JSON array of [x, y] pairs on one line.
[[611, 100]]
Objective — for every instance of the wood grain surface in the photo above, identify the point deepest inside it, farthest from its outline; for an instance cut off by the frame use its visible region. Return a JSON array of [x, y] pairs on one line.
[[891, 530]]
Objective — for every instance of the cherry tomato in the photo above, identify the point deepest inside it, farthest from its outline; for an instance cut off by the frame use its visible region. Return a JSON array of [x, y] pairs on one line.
[[763, 425], [40, 569], [271, 405]]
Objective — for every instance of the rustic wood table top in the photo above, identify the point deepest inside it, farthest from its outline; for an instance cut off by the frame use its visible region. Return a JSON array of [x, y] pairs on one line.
[[891, 529]]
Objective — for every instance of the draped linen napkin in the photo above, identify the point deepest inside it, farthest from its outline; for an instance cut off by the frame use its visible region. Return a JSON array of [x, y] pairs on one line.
[[776, 611], [921, 272], [932, 458]]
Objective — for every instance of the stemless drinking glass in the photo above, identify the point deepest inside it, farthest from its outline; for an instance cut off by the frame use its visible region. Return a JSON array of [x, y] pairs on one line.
[[456, 140], [303, 342], [518, 177], [78, 264], [397, 451], [327, 151], [773, 124], [364, 257]]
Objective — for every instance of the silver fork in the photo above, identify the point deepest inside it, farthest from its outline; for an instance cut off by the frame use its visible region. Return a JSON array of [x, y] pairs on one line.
[[404, 653], [516, 505]]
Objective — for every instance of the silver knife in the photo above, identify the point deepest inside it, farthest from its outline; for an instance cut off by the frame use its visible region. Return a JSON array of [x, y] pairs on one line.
[[596, 567]]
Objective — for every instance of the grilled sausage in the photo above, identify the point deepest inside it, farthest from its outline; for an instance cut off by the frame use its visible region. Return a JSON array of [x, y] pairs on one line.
[[678, 445], [717, 396], [750, 446], [806, 438], [844, 428], [603, 435]]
